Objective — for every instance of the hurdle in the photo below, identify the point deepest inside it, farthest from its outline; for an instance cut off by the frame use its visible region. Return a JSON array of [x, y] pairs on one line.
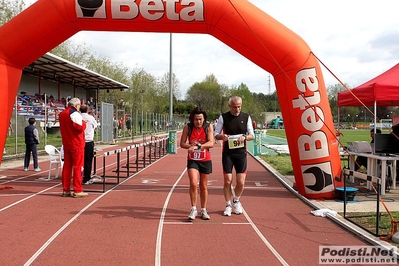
[[352, 218], [127, 160], [159, 146]]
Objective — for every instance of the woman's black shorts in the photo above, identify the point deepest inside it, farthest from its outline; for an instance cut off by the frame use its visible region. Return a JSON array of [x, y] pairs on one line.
[[202, 167]]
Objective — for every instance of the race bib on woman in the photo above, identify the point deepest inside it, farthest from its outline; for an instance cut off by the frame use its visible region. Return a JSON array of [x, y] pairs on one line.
[[197, 155]]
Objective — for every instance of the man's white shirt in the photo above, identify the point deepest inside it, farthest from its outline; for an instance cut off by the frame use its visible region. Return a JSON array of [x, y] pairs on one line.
[[91, 125]]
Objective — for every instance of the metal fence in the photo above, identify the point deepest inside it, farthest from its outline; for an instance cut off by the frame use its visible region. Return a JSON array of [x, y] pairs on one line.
[[49, 132]]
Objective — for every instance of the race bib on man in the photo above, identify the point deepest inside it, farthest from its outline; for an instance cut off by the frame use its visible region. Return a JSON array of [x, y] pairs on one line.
[[197, 155], [233, 142]]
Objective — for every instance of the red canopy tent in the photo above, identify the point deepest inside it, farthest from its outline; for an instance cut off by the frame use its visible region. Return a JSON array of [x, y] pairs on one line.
[[382, 90]]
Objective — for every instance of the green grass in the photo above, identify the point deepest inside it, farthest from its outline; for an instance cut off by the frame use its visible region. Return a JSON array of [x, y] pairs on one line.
[[368, 220], [282, 162], [12, 148], [347, 134]]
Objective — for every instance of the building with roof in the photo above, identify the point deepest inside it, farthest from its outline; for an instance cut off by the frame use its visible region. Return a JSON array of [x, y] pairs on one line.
[[49, 82]]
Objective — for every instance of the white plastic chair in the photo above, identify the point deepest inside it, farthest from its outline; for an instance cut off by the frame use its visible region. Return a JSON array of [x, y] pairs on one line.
[[55, 158]]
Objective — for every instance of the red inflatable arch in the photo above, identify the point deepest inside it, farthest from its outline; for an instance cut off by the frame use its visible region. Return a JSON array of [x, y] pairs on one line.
[[237, 23]]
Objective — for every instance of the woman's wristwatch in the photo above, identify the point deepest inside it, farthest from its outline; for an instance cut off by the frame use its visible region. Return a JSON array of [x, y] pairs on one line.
[[199, 145]]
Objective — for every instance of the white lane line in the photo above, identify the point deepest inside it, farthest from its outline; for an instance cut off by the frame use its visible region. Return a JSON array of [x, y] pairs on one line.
[[22, 177], [192, 223], [51, 239], [267, 243], [261, 236], [31, 196], [41, 192], [161, 222]]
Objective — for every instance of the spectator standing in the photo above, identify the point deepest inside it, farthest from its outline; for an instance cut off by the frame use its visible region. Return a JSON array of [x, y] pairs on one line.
[[91, 125], [361, 160], [129, 126], [72, 129], [141, 124], [199, 135], [120, 126], [10, 130], [155, 126], [234, 128], [31, 141], [215, 122], [116, 126]]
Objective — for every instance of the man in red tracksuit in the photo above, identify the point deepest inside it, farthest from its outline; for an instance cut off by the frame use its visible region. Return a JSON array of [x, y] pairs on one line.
[[72, 129]]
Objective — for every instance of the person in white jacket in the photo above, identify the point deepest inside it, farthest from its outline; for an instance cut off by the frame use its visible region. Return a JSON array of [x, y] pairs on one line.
[[91, 125]]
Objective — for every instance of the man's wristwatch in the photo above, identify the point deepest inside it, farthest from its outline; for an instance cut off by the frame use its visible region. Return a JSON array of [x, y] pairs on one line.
[[245, 136], [199, 145]]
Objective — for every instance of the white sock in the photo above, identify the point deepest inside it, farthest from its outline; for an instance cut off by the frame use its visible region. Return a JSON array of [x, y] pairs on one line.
[[203, 209], [236, 199], [194, 208], [228, 203]]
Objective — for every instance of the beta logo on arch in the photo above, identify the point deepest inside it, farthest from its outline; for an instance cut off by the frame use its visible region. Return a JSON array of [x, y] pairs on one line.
[[186, 10]]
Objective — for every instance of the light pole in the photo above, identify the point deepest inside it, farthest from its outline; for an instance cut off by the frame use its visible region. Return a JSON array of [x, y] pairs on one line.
[[170, 80], [349, 117], [142, 112], [365, 122]]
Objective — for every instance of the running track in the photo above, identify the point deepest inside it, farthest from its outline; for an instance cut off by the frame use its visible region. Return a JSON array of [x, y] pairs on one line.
[[143, 221]]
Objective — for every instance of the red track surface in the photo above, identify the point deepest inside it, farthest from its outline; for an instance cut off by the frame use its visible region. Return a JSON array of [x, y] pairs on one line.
[[143, 221]]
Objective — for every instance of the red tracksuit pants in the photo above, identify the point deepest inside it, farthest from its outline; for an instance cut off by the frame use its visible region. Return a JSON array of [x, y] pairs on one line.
[[73, 164]]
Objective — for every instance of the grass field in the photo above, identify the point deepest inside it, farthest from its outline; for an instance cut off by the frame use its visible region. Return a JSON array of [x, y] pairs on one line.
[[347, 134], [13, 146], [282, 162]]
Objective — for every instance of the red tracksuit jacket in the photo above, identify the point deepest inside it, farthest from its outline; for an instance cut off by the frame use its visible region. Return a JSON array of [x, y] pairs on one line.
[[72, 129]]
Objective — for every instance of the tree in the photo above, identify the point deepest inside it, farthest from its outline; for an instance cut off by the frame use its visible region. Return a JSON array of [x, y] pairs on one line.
[[224, 98], [155, 91], [264, 102], [78, 53], [183, 107], [9, 9], [205, 94], [332, 92], [246, 95], [164, 85]]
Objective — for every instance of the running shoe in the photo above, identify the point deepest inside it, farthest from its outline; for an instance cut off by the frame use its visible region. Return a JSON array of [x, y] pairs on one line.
[[237, 207], [204, 215], [26, 169], [91, 181], [66, 193], [193, 214], [80, 195], [37, 169], [227, 211]]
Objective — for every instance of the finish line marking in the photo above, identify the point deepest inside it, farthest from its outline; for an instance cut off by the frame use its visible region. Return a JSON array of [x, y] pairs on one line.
[[204, 222]]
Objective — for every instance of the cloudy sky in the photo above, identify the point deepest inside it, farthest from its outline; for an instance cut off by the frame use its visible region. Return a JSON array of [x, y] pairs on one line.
[[356, 39]]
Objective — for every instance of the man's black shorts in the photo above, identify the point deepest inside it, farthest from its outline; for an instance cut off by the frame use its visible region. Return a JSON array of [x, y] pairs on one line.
[[202, 167], [238, 160]]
